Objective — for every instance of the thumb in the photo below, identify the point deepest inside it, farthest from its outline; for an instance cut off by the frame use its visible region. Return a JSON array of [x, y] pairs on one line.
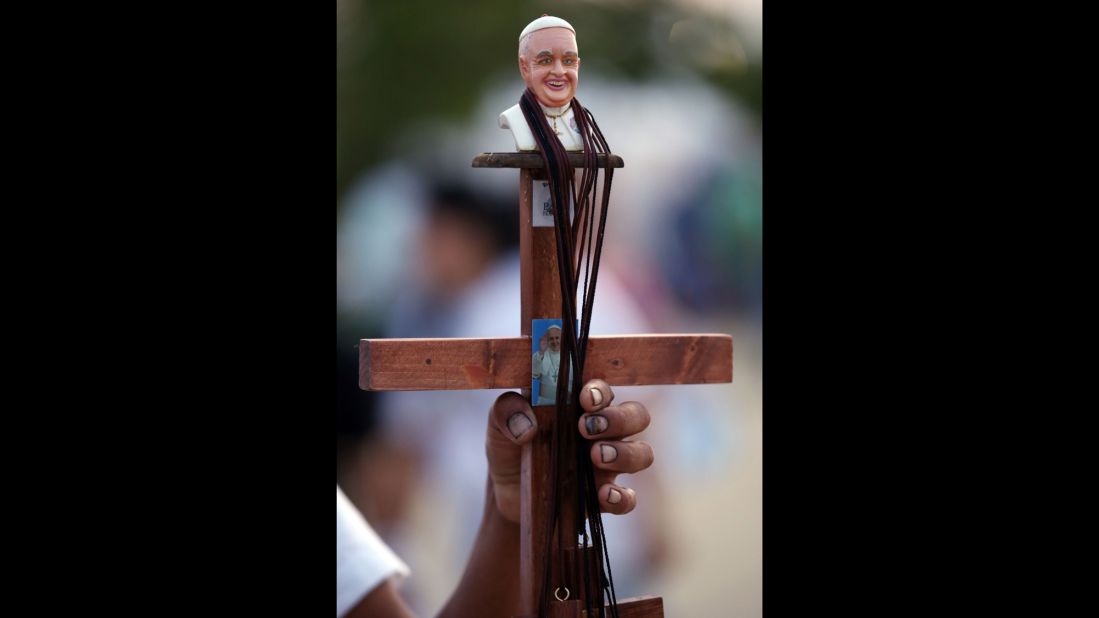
[[511, 421], [511, 424]]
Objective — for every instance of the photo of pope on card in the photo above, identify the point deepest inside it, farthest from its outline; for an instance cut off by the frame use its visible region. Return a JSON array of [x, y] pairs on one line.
[[545, 361]]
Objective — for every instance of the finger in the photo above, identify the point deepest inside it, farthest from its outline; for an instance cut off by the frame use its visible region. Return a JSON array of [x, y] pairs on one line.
[[615, 421], [616, 499], [622, 457], [512, 419], [596, 395]]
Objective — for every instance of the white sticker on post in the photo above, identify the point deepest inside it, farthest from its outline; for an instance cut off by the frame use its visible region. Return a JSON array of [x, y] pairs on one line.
[[542, 205]]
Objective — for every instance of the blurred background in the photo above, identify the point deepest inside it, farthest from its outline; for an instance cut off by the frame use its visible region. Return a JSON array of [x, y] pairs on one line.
[[427, 247]]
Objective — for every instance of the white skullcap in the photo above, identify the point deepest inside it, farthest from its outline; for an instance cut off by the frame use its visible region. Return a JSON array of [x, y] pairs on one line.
[[543, 22]]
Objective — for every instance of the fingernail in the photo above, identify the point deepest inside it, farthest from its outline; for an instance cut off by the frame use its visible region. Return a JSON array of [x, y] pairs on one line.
[[518, 424], [596, 396], [596, 423], [609, 453], [613, 496]]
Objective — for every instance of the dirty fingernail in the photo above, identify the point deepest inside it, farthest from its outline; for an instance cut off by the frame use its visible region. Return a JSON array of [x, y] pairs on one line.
[[596, 423], [608, 452], [596, 396], [518, 424]]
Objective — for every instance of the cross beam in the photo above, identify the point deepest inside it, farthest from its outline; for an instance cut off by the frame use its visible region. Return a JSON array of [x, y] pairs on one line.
[[462, 364]]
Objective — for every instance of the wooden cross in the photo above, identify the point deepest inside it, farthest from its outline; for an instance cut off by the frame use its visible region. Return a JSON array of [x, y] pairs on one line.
[[456, 364]]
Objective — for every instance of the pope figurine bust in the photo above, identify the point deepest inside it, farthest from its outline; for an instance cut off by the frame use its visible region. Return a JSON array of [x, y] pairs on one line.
[[549, 62]]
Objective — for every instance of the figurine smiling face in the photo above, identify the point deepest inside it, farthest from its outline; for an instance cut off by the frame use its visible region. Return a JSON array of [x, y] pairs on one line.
[[550, 65]]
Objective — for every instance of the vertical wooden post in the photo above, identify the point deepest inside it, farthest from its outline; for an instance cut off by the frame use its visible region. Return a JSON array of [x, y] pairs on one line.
[[541, 299]]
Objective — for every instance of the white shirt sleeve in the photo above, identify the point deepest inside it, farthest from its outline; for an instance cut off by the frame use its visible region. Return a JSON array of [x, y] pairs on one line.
[[363, 560]]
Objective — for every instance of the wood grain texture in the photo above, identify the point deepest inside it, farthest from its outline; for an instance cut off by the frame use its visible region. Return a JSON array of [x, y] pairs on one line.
[[533, 160], [462, 364], [537, 264], [535, 507], [541, 299], [526, 266], [640, 607], [633, 607], [546, 297]]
